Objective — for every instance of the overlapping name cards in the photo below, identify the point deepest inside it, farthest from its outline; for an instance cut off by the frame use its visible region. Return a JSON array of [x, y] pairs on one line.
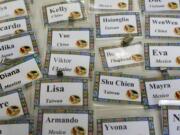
[[72, 64], [126, 126], [114, 25], [13, 105], [71, 38], [117, 88], [61, 93], [116, 57], [160, 5], [171, 120], [63, 12], [21, 72], [125, 5], [14, 26], [18, 46], [162, 26], [16, 127], [66, 122], [158, 89], [162, 55], [13, 8]]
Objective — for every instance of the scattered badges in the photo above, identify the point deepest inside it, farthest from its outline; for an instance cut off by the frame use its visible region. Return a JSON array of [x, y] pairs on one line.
[[126, 126], [72, 64], [117, 88], [20, 73], [61, 93], [156, 90], [116, 57], [111, 25], [112, 5], [13, 105], [162, 26], [66, 122], [71, 39], [162, 55], [63, 12]]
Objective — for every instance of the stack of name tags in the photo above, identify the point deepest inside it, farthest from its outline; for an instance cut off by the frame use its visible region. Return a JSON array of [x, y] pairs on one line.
[[63, 85]]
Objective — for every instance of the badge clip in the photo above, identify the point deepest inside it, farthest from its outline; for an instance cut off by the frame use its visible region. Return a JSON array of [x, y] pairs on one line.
[[60, 73], [164, 72], [127, 40]]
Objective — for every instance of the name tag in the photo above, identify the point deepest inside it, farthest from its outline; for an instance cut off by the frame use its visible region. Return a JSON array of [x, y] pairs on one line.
[[72, 64], [116, 57], [126, 126], [117, 88], [113, 4], [62, 93], [160, 90], [62, 12], [65, 122], [19, 127], [14, 26], [118, 24], [160, 5], [20, 73], [71, 39], [12, 105], [162, 55], [13, 8], [18, 46], [171, 120], [162, 26]]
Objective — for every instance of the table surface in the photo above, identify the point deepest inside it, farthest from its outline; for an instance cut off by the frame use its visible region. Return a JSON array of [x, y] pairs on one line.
[[100, 110]]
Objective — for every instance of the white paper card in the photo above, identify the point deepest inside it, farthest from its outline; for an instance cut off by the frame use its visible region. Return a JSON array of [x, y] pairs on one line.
[[59, 94], [174, 120], [162, 90], [164, 27], [161, 5], [16, 47], [13, 9], [20, 75], [126, 128], [164, 56], [12, 129], [8, 101], [62, 12], [111, 4], [58, 123], [124, 55], [71, 65], [119, 88], [70, 39]]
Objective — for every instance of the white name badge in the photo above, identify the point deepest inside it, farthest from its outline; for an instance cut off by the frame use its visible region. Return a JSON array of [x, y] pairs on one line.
[[161, 90], [12, 105], [162, 26], [160, 5], [64, 122], [20, 73], [162, 55], [18, 127], [71, 39], [14, 26], [72, 64], [126, 126], [117, 88], [62, 92], [113, 4], [61, 12], [118, 24], [18, 46], [116, 57], [13, 8]]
